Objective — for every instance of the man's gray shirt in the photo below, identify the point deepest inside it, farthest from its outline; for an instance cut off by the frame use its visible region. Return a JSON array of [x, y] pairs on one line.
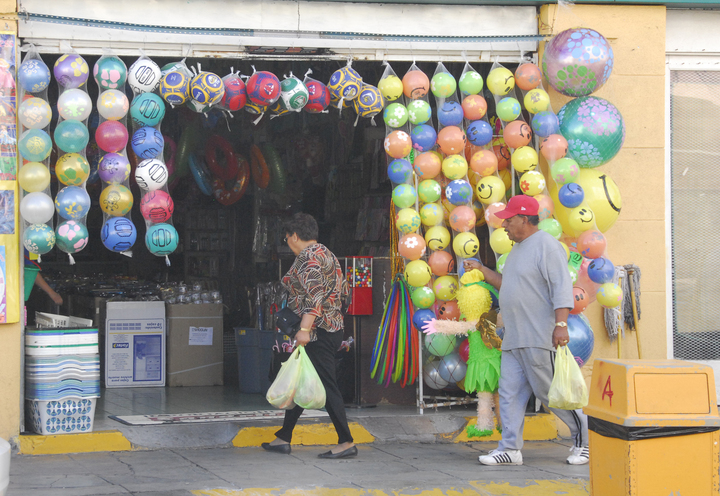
[[535, 282]]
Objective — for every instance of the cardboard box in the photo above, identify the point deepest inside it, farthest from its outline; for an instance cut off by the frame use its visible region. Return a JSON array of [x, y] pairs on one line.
[[195, 345], [135, 344]]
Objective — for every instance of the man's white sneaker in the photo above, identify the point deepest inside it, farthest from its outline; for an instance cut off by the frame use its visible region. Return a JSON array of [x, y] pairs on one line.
[[580, 455], [502, 457]]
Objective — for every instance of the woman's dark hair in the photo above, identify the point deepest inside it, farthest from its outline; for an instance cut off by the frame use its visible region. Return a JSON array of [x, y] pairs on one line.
[[304, 225], [534, 220]]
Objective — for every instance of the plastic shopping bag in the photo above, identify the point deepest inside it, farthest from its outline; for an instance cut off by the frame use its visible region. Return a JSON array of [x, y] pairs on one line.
[[568, 390], [283, 389], [310, 393]]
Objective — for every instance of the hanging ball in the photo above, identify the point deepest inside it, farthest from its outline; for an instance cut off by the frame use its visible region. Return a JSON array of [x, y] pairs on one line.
[[424, 315], [38, 238], [72, 202], [581, 219], [161, 239], [415, 84], [609, 295], [532, 183], [174, 87], [417, 273], [423, 297], [508, 109], [471, 83], [443, 85], [490, 189], [395, 115], [554, 147], [34, 76], [524, 159], [446, 287], [71, 236], [71, 71], [466, 244], [500, 81], [419, 112], [144, 75], [537, 100], [157, 206], [571, 195], [391, 87], [441, 263], [500, 242], [437, 238], [601, 270], [582, 339], [118, 234], [528, 76], [110, 73], [407, 220]]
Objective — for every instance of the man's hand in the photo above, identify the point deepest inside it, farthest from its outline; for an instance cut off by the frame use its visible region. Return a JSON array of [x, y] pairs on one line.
[[302, 338], [560, 336], [469, 265]]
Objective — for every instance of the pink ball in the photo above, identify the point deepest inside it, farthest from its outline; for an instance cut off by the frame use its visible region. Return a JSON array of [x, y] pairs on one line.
[[157, 206], [111, 136]]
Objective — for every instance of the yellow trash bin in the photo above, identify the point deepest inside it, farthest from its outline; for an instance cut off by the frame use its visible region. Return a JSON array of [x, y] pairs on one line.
[[654, 429]]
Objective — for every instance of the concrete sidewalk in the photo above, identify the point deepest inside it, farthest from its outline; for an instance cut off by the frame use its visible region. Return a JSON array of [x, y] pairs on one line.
[[391, 468]]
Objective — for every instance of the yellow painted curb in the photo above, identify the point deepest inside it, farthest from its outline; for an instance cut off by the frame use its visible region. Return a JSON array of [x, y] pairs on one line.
[[308, 435], [537, 428], [74, 443]]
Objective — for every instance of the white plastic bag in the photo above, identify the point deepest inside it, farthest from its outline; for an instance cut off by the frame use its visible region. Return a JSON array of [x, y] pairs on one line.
[[568, 390], [310, 392], [282, 390]]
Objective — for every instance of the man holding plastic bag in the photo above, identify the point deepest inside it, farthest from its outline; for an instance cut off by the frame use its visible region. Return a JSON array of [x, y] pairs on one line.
[[535, 299], [316, 287]]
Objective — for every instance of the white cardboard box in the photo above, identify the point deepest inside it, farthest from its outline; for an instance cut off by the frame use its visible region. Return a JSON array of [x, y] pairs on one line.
[[135, 344]]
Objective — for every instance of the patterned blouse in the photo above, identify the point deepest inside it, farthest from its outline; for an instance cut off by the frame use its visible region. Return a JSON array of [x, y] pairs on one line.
[[317, 286]]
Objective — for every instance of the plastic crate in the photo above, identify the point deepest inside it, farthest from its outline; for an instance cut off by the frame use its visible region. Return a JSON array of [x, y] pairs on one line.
[[69, 415]]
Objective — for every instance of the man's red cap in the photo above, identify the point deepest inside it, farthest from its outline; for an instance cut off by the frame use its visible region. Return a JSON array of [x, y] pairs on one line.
[[519, 205]]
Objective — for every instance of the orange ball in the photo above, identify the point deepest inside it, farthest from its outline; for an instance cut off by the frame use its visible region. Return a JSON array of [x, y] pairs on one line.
[[398, 144], [474, 107], [581, 300], [517, 134], [502, 152], [471, 149], [449, 310], [415, 84], [412, 246], [427, 165], [553, 148], [528, 76], [490, 217], [452, 140], [484, 162], [591, 244], [546, 206], [462, 218], [441, 263]]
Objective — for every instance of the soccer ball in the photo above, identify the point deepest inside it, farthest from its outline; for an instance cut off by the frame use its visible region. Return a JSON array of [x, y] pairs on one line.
[[118, 234], [144, 75], [369, 102], [147, 142], [175, 87], [235, 95], [318, 96], [345, 83], [157, 206], [293, 94], [207, 88], [263, 88], [151, 174]]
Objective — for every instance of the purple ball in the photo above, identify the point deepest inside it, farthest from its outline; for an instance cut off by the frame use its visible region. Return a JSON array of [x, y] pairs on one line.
[[71, 71], [423, 137], [451, 113], [114, 168], [545, 123]]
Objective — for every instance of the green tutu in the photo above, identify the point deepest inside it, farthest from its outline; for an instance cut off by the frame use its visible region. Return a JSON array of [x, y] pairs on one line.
[[483, 366]]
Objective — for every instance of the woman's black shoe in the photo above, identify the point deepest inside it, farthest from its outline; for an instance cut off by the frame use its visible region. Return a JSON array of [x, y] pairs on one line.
[[343, 454], [277, 448]]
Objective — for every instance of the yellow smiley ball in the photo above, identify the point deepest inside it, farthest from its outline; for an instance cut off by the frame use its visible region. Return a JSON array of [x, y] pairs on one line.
[[445, 288], [524, 159], [34, 177], [581, 219], [532, 183], [455, 167], [417, 273], [537, 100], [407, 220], [500, 242], [437, 238], [466, 244], [490, 189], [431, 214], [500, 81], [391, 88]]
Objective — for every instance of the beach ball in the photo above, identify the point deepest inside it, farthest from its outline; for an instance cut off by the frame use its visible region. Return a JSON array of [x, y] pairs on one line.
[[490, 189], [429, 191], [594, 130], [431, 214], [524, 159], [546, 207], [441, 262], [581, 219], [508, 109], [398, 144], [72, 169], [437, 238], [404, 196], [417, 273], [452, 140], [500, 242], [116, 200], [424, 315], [161, 239], [411, 246], [474, 107], [151, 174], [207, 88], [415, 84], [601, 270], [565, 170], [500, 81], [235, 94], [71, 136], [423, 297], [454, 167], [554, 147], [144, 75], [399, 171], [577, 61], [72, 202], [118, 234], [582, 339], [111, 136], [591, 244], [552, 227], [450, 113], [459, 192], [545, 123], [35, 145], [490, 217], [419, 112], [479, 133], [500, 266], [34, 177], [114, 168], [36, 208], [431, 376], [156, 206], [263, 88], [445, 287], [528, 76], [174, 87], [35, 113], [34, 76], [110, 73], [293, 94], [532, 183], [71, 71], [318, 96], [484, 162], [517, 134], [345, 83], [395, 115], [147, 142], [571, 195], [147, 109], [407, 220], [113, 105], [391, 87], [466, 244], [71, 236], [443, 85], [471, 83], [427, 165], [38, 238], [537, 100], [462, 219]]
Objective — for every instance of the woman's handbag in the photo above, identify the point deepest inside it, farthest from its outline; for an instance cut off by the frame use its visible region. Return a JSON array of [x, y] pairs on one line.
[[287, 321]]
